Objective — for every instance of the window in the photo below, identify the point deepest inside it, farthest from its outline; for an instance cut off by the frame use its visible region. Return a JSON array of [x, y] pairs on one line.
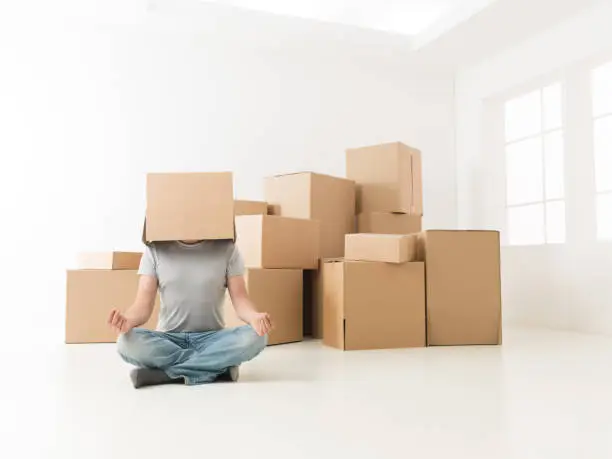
[[535, 205], [601, 85]]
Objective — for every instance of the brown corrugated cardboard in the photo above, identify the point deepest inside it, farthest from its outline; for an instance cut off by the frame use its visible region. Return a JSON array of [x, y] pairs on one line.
[[388, 178], [387, 223], [189, 206], [463, 286], [390, 248], [373, 305], [279, 293], [109, 260], [242, 207], [90, 296], [267, 241], [330, 200]]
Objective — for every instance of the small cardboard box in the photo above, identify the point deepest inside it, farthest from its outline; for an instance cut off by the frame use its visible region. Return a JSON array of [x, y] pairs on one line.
[[242, 207], [373, 305], [279, 293], [189, 206], [388, 178], [463, 286], [267, 241], [109, 260], [390, 248], [90, 296], [330, 200], [387, 223]]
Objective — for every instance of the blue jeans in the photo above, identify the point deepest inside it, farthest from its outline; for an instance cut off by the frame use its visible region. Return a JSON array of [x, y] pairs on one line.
[[197, 357]]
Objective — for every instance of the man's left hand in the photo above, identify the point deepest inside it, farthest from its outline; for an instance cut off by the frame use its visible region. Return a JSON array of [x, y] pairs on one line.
[[261, 323]]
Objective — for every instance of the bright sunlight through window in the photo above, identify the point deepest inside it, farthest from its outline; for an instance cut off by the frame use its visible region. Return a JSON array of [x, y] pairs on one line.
[[601, 84], [535, 168]]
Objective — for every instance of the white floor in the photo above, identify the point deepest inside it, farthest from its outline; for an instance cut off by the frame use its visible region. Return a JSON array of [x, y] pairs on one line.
[[542, 395]]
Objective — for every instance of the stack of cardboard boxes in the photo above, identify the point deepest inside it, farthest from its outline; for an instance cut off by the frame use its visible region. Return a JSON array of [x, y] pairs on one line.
[[342, 259], [389, 188]]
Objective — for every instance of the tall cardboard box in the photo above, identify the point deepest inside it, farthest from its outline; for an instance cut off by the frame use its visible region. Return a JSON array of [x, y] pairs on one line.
[[90, 296], [387, 223], [278, 292], [242, 207], [184, 206], [373, 305], [388, 248], [109, 260], [463, 286], [268, 241], [388, 178], [329, 200]]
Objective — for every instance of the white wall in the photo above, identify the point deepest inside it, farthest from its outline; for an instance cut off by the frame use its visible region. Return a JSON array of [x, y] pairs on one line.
[[556, 286], [97, 93]]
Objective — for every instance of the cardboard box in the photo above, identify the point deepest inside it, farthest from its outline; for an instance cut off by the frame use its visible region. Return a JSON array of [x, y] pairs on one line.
[[330, 200], [279, 293], [109, 260], [463, 286], [189, 206], [387, 223], [388, 178], [90, 296], [390, 248], [267, 241], [242, 207], [373, 305]]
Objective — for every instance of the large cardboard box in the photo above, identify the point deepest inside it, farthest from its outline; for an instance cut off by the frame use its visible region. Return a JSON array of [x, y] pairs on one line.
[[388, 178], [330, 200], [463, 286], [279, 293], [90, 296], [268, 241], [242, 207], [189, 206], [387, 223], [109, 260], [373, 305], [389, 248]]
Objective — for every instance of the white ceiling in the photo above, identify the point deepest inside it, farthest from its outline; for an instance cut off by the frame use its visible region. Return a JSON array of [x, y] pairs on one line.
[[409, 17]]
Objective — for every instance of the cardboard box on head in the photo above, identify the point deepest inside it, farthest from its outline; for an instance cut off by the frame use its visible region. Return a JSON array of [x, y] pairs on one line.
[[189, 206]]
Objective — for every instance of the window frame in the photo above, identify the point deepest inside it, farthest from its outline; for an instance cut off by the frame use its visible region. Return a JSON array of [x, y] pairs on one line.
[[594, 119], [541, 134]]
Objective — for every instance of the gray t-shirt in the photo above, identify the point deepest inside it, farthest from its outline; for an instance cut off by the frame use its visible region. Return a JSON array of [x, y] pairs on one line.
[[192, 281]]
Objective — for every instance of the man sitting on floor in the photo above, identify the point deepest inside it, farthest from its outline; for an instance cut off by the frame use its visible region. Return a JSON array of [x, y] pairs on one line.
[[190, 345]]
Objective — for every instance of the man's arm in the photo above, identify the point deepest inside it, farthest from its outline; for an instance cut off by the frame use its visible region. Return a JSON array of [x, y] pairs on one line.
[[140, 311], [244, 307]]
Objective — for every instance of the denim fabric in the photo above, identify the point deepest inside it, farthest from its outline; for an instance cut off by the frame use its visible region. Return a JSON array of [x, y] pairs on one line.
[[199, 357]]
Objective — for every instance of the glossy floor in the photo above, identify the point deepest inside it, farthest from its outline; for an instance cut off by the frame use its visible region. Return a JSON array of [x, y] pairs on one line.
[[542, 395]]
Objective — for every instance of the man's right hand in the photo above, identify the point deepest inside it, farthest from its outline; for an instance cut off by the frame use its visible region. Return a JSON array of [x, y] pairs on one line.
[[118, 322]]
